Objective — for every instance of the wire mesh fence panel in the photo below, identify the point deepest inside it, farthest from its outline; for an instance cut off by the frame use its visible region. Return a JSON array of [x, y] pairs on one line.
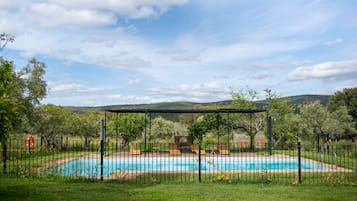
[[71, 157]]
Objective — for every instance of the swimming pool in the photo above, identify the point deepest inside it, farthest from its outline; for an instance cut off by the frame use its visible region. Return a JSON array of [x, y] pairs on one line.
[[91, 167]]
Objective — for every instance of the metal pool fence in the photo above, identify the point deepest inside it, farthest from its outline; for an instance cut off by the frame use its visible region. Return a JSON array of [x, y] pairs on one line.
[[158, 163]]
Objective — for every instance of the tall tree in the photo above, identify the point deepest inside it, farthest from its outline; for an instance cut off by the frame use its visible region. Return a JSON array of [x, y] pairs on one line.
[[314, 117], [161, 130], [251, 123], [128, 126], [215, 123], [348, 98], [51, 123], [26, 88], [8, 99], [198, 130], [21, 92], [340, 125], [281, 113], [31, 89]]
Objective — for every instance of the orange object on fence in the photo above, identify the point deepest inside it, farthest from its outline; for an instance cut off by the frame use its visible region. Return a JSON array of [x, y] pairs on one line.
[[30, 141]]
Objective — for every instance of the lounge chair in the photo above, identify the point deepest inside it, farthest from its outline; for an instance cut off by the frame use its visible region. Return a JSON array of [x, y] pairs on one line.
[[173, 150], [194, 149], [223, 150], [135, 149]]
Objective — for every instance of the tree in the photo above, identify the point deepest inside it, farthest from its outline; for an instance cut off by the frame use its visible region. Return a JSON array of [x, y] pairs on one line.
[[340, 125], [161, 130], [8, 99], [5, 39], [314, 116], [216, 123], [128, 126], [348, 98], [251, 123], [87, 126], [317, 122], [197, 130], [51, 122], [281, 112], [31, 89], [21, 92]]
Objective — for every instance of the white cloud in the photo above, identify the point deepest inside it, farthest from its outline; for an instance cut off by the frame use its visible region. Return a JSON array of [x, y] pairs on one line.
[[121, 99], [27, 54], [9, 5], [70, 88], [134, 81], [123, 62], [8, 26], [340, 88], [180, 54], [281, 64], [210, 91], [333, 42], [53, 15], [334, 69], [130, 9], [261, 75], [247, 50]]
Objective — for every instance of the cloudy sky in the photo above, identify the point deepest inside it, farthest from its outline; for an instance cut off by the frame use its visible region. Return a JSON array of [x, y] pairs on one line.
[[145, 51]]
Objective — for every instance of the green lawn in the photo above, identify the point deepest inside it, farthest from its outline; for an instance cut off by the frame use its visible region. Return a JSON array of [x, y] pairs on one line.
[[58, 189]]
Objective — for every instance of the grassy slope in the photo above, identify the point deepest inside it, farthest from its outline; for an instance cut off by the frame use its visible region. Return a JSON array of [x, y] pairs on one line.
[[296, 100], [27, 189]]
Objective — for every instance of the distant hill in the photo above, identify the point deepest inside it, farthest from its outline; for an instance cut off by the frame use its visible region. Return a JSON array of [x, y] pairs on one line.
[[296, 100]]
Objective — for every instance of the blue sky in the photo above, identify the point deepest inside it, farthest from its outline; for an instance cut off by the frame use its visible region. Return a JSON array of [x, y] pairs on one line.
[[146, 51]]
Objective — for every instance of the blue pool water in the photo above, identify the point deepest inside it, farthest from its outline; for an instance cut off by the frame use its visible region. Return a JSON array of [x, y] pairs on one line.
[[91, 167]]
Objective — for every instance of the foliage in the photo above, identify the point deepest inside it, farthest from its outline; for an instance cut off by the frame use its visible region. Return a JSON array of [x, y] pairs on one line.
[[5, 38], [27, 89], [348, 98], [215, 123], [90, 124], [243, 99], [197, 130], [128, 126], [8, 99], [161, 130], [283, 120], [250, 123], [340, 125], [316, 123], [313, 117], [51, 123]]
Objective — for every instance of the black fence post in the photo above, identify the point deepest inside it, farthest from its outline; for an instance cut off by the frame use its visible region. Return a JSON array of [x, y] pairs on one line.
[[102, 140], [199, 162], [299, 162], [270, 127], [4, 156]]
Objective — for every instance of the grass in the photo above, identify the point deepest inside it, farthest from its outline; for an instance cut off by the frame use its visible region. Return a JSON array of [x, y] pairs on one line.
[[61, 189]]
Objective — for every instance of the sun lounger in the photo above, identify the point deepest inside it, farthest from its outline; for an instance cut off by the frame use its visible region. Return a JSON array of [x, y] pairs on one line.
[[223, 150], [135, 149], [173, 150], [194, 149]]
